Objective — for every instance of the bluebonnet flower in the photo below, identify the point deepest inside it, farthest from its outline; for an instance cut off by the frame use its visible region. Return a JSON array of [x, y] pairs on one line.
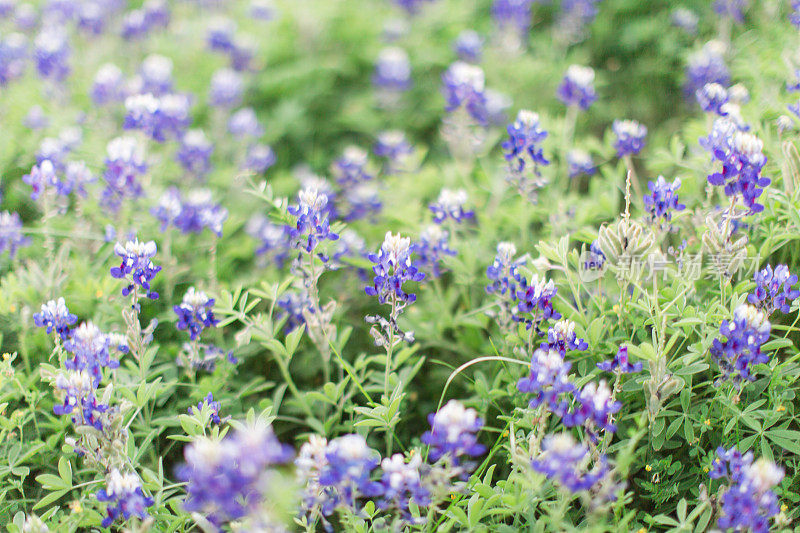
[[11, 238], [156, 13], [562, 338], [595, 407], [220, 34], [503, 272], [159, 118], [685, 19], [352, 167], [450, 205], [76, 176], [630, 137], [294, 306], [36, 119], [13, 54], [156, 75], [534, 298], [313, 224], [90, 350], [25, 16], [453, 434], [774, 289], [731, 8], [411, 6], [244, 123], [577, 87], [124, 165], [707, 65], [748, 501], [134, 25], [91, 18], [745, 333], [742, 161], [620, 363], [394, 146], [195, 313], [194, 153], [259, 158], [242, 52], [469, 46], [596, 259], [497, 106], [513, 15], [42, 177], [712, 98], [309, 463], [227, 480], [192, 214], [662, 200], [580, 163], [548, 378], [392, 70], [226, 88], [125, 498], [575, 16], [402, 484], [275, 241], [360, 201], [393, 267], [794, 16], [203, 356], [55, 316], [137, 267], [346, 474], [213, 408], [54, 150], [523, 148], [463, 86], [432, 247], [52, 53], [78, 389], [565, 461], [262, 10]]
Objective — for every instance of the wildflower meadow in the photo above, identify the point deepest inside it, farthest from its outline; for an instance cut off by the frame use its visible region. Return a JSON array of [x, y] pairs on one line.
[[399, 265]]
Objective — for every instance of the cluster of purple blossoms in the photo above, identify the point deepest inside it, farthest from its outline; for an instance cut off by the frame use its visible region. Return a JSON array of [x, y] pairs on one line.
[[745, 334], [595, 407], [565, 461], [794, 16], [748, 502], [124, 165], [275, 241], [349, 462], [713, 98], [294, 305], [450, 205], [351, 168], [469, 46], [52, 54], [161, 117], [195, 313], [259, 158], [79, 399], [433, 245], [191, 214], [155, 76], [313, 224], [662, 200], [213, 409], [774, 289], [562, 338], [402, 484], [685, 19], [740, 154], [463, 87], [580, 163], [220, 34], [411, 6], [534, 298], [13, 53], [393, 267], [707, 65], [577, 87], [575, 16], [523, 148], [42, 177], [514, 15], [125, 498], [108, 85], [227, 480], [620, 363], [360, 201], [194, 153], [55, 316], [630, 137], [137, 267], [504, 271], [596, 259], [244, 123], [226, 88], [392, 70], [731, 8], [548, 378], [36, 118], [11, 237], [393, 146], [453, 434]]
